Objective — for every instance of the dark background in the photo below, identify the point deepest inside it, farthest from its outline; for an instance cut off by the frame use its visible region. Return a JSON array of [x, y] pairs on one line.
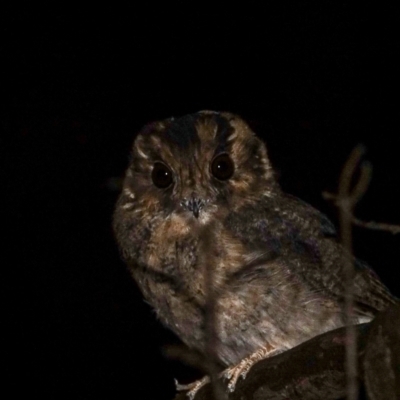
[[312, 78]]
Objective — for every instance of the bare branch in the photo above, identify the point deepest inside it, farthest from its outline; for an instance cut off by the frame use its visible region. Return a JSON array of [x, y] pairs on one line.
[[346, 201], [315, 370], [343, 200], [377, 226]]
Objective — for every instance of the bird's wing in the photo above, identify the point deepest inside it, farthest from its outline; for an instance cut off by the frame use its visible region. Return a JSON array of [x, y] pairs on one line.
[[370, 294]]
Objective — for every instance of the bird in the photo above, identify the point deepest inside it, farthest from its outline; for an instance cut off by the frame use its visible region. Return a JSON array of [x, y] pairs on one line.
[[201, 206]]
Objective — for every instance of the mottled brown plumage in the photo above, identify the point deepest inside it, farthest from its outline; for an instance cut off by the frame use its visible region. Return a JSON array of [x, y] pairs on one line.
[[200, 193]]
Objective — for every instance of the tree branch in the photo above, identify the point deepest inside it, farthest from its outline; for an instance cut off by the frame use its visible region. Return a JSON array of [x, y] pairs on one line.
[[315, 370]]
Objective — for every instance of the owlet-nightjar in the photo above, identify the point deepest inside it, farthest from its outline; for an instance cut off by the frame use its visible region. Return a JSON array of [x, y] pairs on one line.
[[200, 200]]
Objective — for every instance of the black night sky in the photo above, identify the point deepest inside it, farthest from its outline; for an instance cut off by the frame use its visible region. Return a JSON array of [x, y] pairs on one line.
[[313, 78]]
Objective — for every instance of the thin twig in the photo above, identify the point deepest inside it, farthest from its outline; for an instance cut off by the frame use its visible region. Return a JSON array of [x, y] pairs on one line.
[[346, 200], [377, 226], [211, 323], [358, 192]]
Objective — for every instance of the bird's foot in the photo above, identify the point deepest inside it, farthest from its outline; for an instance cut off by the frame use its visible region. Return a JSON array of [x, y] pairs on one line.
[[193, 387], [241, 369], [231, 373]]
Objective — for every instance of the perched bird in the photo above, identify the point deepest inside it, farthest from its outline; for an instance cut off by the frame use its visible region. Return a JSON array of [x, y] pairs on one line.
[[200, 206]]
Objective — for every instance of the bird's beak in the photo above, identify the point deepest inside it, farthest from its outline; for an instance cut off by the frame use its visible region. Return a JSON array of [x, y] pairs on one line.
[[194, 204]]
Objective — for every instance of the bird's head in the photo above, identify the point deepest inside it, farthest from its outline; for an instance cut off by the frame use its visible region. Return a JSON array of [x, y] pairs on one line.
[[196, 167]]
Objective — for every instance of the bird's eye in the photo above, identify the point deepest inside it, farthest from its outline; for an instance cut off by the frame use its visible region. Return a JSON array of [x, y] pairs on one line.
[[222, 167], [161, 175]]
